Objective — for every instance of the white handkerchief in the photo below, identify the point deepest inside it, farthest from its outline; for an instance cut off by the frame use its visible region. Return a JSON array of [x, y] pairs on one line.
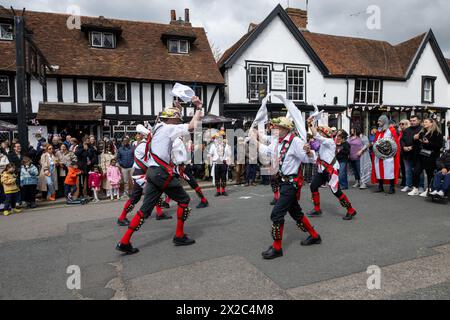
[[183, 92]]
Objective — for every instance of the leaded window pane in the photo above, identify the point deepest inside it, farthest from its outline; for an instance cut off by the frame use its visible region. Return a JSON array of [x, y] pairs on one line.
[[121, 92], [96, 39], [110, 89], [98, 91], [4, 87], [108, 40]]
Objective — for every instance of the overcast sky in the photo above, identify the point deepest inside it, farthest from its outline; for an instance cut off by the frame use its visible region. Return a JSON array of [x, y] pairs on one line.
[[227, 20]]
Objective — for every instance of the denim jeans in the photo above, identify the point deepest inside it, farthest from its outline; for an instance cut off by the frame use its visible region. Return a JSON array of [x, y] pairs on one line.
[[343, 179], [409, 170], [441, 182], [50, 186], [355, 165], [251, 173]]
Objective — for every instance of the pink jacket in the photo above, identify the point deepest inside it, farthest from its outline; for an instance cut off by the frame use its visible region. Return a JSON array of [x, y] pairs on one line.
[[95, 180], [113, 175]]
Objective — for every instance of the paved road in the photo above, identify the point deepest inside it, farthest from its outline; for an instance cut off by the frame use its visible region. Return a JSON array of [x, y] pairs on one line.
[[407, 237]]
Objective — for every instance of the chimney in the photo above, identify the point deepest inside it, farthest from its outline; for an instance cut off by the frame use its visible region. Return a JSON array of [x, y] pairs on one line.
[[299, 17], [186, 15], [173, 16]]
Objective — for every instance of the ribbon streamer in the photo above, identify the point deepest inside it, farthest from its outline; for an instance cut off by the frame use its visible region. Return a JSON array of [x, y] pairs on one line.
[[296, 116]]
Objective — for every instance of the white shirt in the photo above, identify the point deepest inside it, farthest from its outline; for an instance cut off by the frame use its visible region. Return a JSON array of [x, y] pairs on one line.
[[162, 140], [219, 152], [294, 157], [179, 152], [139, 154], [327, 151]]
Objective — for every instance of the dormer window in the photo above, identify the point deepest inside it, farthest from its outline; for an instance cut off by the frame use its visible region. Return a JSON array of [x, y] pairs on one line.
[[178, 46], [103, 40], [6, 31]]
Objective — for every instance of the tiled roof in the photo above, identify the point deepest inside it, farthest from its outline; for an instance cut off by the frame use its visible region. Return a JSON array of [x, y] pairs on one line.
[[346, 56], [350, 56], [140, 52]]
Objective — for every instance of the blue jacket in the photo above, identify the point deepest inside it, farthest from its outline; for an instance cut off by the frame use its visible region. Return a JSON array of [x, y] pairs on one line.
[[29, 176], [125, 156]]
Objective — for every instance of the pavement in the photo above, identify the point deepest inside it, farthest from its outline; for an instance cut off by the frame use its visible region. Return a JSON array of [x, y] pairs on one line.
[[405, 240]]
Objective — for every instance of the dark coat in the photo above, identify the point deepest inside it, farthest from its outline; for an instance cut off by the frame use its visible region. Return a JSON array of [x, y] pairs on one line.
[[407, 140], [444, 161], [344, 152]]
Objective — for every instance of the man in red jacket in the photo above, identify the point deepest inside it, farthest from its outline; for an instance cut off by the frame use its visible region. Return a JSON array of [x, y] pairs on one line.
[[386, 170]]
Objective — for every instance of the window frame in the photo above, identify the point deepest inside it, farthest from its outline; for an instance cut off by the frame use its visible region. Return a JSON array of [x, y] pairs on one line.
[[115, 91], [367, 91], [7, 85], [102, 40], [1, 34], [178, 42], [300, 69], [249, 83], [432, 81]]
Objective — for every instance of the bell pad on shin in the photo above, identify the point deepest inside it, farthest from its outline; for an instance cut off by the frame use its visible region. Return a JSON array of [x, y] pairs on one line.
[[276, 232], [301, 226], [186, 213]]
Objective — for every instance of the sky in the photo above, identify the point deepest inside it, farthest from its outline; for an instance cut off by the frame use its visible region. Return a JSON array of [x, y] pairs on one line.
[[225, 21]]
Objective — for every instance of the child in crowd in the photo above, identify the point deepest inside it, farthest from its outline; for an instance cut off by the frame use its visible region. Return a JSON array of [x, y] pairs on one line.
[[29, 178], [70, 183], [95, 182], [114, 177], [11, 189]]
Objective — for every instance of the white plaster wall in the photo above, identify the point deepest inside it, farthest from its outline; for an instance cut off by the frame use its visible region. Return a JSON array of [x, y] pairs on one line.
[[216, 103], [410, 92], [83, 91], [274, 44], [158, 98], [37, 95], [146, 93], [67, 90], [52, 90], [135, 99]]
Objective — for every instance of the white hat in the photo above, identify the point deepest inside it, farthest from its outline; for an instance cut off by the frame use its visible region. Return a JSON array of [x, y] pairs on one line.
[[142, 130]]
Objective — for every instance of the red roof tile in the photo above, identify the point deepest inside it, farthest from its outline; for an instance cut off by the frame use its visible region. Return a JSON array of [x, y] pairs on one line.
[[140, 52]]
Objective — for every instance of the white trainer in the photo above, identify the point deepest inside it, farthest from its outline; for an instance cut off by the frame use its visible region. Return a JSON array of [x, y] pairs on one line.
[[363, 186], [433, 193], [441, 194], [414, 192], [421, 190], [424, 194], [406, 189]]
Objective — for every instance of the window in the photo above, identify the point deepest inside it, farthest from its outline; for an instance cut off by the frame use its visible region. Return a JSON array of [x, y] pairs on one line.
[[367, 91], [178, 46], [109, 91], [258, 80], [428, 89], [4, 86], [296, 84], [103, 40], [6, 31]]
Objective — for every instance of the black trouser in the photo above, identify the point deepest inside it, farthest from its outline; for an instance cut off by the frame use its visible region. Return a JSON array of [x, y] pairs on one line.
[[320, 179], [287, 203], [29, 193], [11, 200], [191, 178], [137, 192], [427, 164], [157, 177], [220, 173]]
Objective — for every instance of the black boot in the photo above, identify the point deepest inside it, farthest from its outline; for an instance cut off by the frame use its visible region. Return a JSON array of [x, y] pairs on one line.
[[311, 241], [380, 187], [123, 223], [272, 254], [225, 194], [126, 248], [349, 217], [392, 188], [184, 241], [315, 213], [163, 217], [218, 194], [203, 205]]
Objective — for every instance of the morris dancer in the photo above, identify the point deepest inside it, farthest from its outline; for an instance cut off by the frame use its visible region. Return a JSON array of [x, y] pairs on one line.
[[290, 152], [386, 170], [328, 167], [160, 176], [140, 169], [219, 152], [180, 156]]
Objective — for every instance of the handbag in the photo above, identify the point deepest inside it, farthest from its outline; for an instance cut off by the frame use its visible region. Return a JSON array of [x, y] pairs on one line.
[[426, 153]]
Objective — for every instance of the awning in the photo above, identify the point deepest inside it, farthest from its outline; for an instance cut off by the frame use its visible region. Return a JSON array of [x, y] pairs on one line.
[[212, 119], [6, 126], [70, 111]]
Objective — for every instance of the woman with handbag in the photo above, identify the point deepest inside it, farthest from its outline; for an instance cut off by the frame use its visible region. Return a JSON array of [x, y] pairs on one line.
[[430, 141]]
